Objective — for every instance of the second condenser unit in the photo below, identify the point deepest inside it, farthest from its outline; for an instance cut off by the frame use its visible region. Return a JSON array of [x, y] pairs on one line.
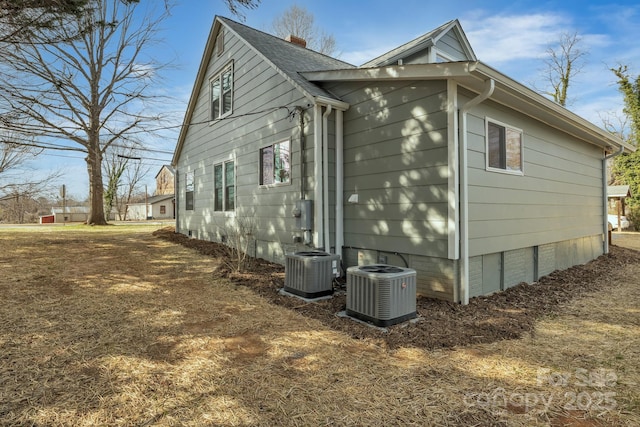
[[310, 274]]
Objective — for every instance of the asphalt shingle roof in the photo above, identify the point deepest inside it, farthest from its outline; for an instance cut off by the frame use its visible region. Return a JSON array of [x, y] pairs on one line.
[[288, 57]]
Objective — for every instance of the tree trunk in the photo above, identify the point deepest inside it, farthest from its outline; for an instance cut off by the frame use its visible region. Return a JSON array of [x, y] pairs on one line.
[[96, 190]]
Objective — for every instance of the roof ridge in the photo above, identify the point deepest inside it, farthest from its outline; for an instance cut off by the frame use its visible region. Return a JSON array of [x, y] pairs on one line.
[[281, 40], [424, 36]]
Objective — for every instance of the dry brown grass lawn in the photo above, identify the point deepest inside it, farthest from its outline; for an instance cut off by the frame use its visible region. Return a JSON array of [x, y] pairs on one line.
[[112, 326]]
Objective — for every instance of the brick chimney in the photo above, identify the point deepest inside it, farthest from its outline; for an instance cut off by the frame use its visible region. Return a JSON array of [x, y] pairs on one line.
[[296, 40]]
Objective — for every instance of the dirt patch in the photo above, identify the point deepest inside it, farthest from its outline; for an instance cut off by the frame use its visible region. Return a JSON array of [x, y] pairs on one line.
[[506, 315]]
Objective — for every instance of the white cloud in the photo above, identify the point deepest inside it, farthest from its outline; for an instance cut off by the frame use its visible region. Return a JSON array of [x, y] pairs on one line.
[[503, 38]]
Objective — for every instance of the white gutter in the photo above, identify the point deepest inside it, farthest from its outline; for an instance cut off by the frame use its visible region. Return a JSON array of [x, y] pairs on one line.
[[317, 175], [489, 86], [605, 200], [339, 184], [325, 177]]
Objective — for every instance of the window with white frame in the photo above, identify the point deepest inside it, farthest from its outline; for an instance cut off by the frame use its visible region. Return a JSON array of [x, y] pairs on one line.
[[222, 93], [224, 186], [504, 147], [275, 163], [189, 189]]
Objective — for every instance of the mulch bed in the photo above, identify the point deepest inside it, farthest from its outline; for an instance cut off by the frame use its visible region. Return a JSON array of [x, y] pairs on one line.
[[506, 315]]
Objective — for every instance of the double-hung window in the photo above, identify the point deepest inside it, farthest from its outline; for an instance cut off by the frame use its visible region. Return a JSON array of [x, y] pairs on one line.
[[275, 163], [504, 148], [222, 93], [189, 188], [224, 185]]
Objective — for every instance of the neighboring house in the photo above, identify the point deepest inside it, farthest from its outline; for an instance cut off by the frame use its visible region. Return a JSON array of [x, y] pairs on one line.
[[156, 207], [165, 181], [423, 157], [70, 214]]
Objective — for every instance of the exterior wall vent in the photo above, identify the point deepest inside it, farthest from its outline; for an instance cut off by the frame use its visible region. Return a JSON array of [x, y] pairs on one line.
[[382, 294], [310, 274]]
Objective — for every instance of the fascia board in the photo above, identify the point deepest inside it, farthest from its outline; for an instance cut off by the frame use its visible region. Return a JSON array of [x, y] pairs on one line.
[[521, 98], [394, 72], [202, 70]]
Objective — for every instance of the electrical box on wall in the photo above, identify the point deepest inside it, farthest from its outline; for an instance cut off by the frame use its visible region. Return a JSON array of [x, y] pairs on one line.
[[303, 213]]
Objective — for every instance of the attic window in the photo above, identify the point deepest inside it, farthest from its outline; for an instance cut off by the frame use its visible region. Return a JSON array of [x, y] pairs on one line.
[[222, 93], [220, 43], [504, 148]]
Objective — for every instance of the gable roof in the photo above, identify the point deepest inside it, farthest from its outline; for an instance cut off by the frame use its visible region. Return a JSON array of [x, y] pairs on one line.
[[472, 75], [618, 191], [304, 67], [167, 167], [285, 57], [424, 42]]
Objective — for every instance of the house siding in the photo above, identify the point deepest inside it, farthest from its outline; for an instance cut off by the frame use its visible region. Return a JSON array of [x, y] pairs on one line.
[[525, 227], [262, 101], [562, 176], [396, 161], [450, 45]]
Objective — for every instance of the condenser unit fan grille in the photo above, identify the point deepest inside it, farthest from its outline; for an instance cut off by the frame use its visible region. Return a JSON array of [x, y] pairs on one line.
[[381, 294], [310, 274]]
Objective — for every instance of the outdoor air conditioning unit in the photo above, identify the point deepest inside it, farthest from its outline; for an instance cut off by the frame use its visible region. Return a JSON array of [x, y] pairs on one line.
[[310, 274], [381, 294]]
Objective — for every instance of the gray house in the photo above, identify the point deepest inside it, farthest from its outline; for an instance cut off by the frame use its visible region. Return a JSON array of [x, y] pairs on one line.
[[423, 157]]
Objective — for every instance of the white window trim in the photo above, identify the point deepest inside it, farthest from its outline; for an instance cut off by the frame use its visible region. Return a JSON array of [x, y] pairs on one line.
[[218, 76], [488, 120], [277, 184], [224, 212], [190, 174]]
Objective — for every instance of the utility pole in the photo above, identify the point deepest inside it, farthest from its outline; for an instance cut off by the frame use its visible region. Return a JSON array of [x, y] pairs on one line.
[[146, 206], [63, 193]]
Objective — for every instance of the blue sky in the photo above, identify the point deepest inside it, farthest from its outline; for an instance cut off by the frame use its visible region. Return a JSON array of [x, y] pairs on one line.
[[511, 36]]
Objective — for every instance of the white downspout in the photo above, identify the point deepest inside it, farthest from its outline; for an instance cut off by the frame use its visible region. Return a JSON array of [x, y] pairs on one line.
[[317, 175], [339, 184], [605, 200], [489, 86], [325, 173]]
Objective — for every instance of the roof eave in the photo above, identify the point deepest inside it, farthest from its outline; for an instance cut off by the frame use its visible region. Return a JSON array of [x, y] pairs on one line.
[[472, 75], [521, 98], [437, 71], [202, 70]]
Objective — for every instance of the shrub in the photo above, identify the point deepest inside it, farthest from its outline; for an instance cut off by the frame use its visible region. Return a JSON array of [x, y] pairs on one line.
[[633, 215]]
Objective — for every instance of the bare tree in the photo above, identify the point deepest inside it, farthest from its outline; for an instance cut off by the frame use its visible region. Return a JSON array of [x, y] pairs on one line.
[[19, 201], [133, 176], [298, 21], [562, 64], [89, 89], [12, 156], [125, 172], [114, 166], [234, 6], [17, 17]]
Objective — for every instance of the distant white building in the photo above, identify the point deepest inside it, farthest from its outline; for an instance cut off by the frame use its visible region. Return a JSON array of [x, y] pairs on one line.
[[69, 214], [156, 207]]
